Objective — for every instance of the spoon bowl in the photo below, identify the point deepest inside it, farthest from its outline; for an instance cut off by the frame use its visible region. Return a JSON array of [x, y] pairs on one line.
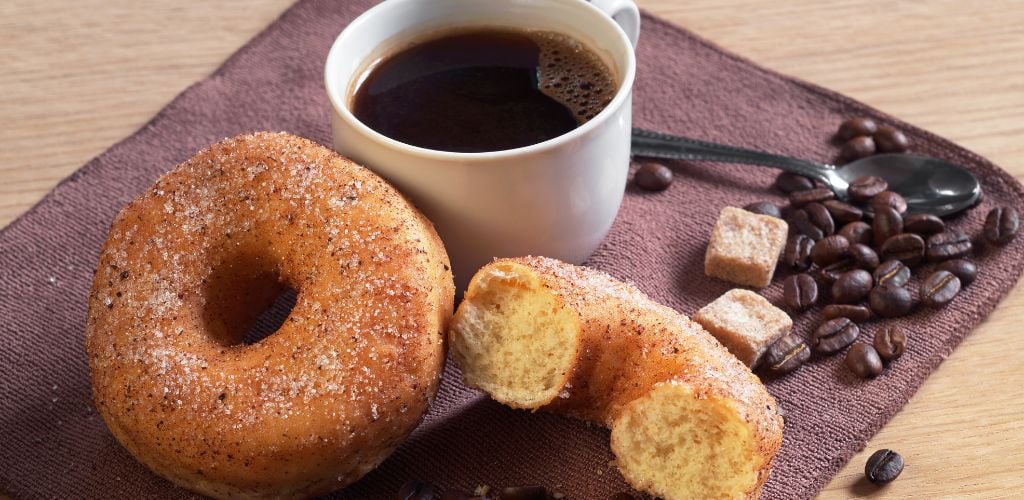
[[929, 185]]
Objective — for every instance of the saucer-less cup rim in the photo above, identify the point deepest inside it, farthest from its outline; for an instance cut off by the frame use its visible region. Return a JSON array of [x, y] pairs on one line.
[[337, 92]]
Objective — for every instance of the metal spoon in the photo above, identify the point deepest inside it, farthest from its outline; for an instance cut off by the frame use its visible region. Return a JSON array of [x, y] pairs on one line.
[[930, 185]]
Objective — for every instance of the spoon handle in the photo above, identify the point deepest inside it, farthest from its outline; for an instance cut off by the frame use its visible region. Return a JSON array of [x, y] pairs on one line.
[[657, 145]]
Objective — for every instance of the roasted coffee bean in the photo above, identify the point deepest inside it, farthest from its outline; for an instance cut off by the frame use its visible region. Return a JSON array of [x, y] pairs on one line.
[[851, 287], [892, 272], [532, 492], [416, 490], [786, 354], [866, 187], [883, 466], [963, 269], [890, 140], [863, 361], [888, 223], [857, 314], [1001, 225], [859, 147], [813, 221], [843, 213], [864, 256], [764, 208], [800, 198], [947, 245], [653, 176], [830, 273], [939, 288], [835, 334], [853, 127], [829, 250], [889, 199], [857, 232], [923, 224], [907, 247], [791, 183], [890, 342], [890, 301], [800, 292], [797, 253]]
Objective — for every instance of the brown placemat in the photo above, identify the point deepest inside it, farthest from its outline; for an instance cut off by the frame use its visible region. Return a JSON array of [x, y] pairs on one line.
[[54, 445]]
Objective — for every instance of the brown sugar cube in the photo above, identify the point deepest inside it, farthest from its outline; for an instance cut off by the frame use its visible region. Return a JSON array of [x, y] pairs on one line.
[[745, 247], [745, 323]]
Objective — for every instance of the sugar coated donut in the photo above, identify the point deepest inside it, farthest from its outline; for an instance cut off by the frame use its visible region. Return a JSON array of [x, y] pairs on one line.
[[185, 272], [688, 420]]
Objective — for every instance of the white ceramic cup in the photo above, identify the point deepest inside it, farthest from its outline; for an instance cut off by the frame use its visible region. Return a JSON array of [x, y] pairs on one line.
[[557, 198]]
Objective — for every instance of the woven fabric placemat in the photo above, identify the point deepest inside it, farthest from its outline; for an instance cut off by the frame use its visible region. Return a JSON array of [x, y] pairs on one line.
[[56, 446]]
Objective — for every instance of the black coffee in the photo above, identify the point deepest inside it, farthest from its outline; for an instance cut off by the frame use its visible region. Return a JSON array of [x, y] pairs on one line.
[[487, 89]]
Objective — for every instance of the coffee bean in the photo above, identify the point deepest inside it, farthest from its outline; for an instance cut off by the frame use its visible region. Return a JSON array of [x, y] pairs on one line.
[[888, 223], [907, 247], [653, 176], [835, 334], [853, 127], [866, 187], [791, 183], [801, 198], [864, 257], [787, 354], [857, 314], [883, 466], [859, 147], [890, 301], [863, 361], [764, 208], [951, 244], [797, 253], [923, 224], [830, 273], [851, 287], [843, 213], [890, 140], [800, 292], [1001, 225], [416, 490], [813, 221], [889, 199], [939, 288], [890, 342], [892, 272], [963, 269], [829, 250], [532, 492], [857, 232]]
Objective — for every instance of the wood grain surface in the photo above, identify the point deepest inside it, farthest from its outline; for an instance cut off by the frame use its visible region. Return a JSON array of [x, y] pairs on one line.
[[77, 76]]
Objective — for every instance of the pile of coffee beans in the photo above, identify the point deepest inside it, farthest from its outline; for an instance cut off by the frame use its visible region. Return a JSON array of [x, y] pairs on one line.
[[418, 490], [863, 269], [862, 137]]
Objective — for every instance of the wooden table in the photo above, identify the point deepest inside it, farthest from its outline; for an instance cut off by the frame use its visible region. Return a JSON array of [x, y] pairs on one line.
[[77, 76]]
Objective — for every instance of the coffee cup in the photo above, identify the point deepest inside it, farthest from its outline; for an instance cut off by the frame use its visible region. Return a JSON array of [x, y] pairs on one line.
[[556, 198]]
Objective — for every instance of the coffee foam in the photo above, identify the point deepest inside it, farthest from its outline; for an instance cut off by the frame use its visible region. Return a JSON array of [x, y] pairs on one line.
[[573, 75]]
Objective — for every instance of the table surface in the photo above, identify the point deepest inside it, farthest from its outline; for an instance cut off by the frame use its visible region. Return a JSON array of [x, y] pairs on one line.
[[77, 76]]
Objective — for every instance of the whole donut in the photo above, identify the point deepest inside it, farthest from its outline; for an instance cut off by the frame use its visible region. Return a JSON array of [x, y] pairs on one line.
[[188, 267]]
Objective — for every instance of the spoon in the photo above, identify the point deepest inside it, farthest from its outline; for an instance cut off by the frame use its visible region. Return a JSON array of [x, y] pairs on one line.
[[929, 185]]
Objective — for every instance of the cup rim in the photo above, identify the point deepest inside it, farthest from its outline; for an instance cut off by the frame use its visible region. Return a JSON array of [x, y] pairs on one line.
[[338, 102]]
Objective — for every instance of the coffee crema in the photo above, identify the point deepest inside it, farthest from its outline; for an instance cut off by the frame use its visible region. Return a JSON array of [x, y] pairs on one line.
[[483, 89]]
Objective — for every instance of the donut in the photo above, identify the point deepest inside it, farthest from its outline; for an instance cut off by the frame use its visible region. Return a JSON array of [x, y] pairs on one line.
[[687, 419], [188, 268]]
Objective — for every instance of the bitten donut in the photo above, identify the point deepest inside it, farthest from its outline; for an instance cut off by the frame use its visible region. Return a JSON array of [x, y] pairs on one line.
[[185, 272], [688, 420]]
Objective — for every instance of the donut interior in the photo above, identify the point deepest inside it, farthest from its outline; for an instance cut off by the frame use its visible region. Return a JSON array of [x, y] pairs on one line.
[[517, 341]]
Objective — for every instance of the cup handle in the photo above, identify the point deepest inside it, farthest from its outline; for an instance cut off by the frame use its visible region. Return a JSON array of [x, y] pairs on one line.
[[625, 13]]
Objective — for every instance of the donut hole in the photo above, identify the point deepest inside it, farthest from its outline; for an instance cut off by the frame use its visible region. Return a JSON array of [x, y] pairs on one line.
[[678, 444], [247, 299]]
